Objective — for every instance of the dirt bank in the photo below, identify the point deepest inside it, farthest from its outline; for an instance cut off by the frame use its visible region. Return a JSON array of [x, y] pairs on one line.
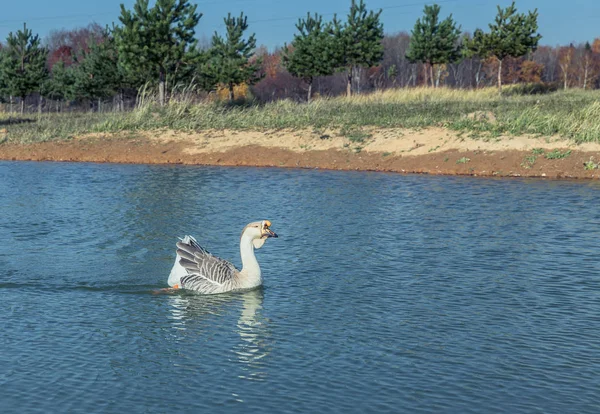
[[430, 151]]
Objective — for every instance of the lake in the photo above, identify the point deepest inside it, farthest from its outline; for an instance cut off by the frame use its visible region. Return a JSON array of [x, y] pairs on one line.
[[383, 293]]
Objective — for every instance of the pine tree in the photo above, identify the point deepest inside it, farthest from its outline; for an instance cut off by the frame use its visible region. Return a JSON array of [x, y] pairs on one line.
[[230, 57], [3, 85], [434, 42], [24, 64], [512, 34], [155, 43], [475, 47], [311, 53], [358, 41], [59, 85], [97, 75]]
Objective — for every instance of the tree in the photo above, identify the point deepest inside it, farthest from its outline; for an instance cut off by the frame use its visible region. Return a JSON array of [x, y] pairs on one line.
[[512, 34], [63, 44], [311, 53], [587, 62], [358, 41], [474, 47], [24, 64], [155, 43], [60, 84], [434, 42], [531, 72], [230, 57], [565, 59], [97, 74]]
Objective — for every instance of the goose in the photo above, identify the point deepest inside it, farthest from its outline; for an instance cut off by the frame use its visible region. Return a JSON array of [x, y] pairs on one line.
[[198, 270]]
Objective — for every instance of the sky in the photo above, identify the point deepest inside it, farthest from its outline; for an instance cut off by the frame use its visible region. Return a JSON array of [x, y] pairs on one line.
[[273, 22]]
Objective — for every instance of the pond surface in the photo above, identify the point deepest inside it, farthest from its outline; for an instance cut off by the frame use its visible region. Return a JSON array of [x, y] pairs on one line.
[[384, 293]]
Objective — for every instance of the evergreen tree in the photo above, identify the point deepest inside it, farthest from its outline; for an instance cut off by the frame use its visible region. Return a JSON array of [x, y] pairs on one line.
[[434, 42], [312, 51], [59, 85], [474, 47], [24, 64], [97, 73], [512, 34], [358, 41], [3, 85], [155, 43], [230, 57], [203, 72]]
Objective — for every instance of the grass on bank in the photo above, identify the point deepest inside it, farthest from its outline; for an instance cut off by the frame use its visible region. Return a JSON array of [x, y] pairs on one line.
[[572, 114]]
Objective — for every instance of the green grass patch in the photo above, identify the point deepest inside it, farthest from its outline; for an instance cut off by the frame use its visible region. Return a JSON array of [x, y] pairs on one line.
[[556, 154], [528, 161], [354, 135], [590, 165]]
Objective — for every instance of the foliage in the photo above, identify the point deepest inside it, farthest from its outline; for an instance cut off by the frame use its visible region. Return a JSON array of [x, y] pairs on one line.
[[191, 68], [528, 161], [512, 34], [530, 72], [60, 84], [23, 64], [590, 165], [158, 43], [230, 57], [434, 42], [358, 41], [97, 73], [557, 154], [311, 53]]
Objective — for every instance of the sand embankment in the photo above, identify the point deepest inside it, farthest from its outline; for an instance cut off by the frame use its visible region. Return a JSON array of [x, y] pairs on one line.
[[429, 151]]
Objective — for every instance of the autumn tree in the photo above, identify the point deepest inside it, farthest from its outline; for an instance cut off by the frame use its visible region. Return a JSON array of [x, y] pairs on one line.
[[230, 56], [565, 61], [23, 65], [588, 59], [63, 44], [530, 72], [358, 41], [311, 53], [434, 42], [512, 34], [154, 43]]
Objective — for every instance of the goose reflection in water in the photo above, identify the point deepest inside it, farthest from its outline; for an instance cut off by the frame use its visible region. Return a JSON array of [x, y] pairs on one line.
[[188, 311]]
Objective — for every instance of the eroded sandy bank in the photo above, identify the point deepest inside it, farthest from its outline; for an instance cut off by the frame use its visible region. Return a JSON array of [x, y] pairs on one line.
[[431, 151]]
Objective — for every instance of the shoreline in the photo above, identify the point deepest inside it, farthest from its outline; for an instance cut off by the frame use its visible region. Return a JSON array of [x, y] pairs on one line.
[[433, 151]]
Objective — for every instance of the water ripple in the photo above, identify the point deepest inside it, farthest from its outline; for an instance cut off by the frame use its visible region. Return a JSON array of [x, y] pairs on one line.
[[385, 293]]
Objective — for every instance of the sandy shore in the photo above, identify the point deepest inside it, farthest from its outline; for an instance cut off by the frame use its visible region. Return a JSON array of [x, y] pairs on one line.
[[429, 151]]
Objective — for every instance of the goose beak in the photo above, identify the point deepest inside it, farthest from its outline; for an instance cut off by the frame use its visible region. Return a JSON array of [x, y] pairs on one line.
[[270, 233]]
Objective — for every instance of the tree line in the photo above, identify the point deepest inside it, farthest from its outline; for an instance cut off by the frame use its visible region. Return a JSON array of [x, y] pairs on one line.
[[156, 47]]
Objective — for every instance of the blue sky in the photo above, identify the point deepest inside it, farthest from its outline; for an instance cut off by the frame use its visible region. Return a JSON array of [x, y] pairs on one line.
[[273, 21]]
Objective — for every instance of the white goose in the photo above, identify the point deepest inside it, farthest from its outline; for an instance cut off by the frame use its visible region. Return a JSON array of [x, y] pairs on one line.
[[196, 269]]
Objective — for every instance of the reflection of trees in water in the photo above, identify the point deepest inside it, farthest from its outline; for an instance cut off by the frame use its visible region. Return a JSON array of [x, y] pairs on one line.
[[187, 310]]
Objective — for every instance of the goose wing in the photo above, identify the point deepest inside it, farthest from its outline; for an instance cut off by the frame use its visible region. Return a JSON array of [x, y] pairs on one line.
[[206, 273]]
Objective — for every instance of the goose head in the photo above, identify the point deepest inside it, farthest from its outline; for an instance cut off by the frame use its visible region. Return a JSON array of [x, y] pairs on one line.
[[258, 232]]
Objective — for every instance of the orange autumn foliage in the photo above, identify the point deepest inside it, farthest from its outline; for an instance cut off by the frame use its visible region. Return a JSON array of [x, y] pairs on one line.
[[531, 72]]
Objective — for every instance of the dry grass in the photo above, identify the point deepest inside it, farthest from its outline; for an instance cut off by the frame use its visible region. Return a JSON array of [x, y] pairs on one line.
[[571, 114]]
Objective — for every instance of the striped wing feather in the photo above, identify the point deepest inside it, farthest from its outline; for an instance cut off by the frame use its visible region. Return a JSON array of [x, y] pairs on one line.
[[206, 272]]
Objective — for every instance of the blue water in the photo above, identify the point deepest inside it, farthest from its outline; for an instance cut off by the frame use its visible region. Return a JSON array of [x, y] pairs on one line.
[[384, 293]]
